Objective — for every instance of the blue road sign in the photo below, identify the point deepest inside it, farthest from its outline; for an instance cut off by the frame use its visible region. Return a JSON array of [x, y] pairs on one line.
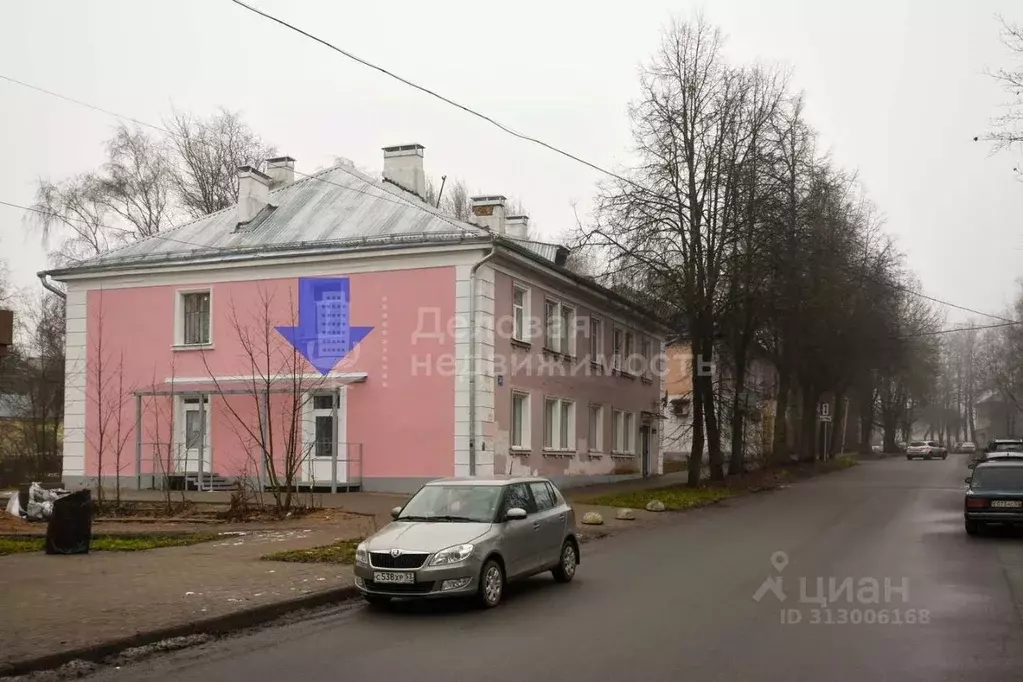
[[324, 334]]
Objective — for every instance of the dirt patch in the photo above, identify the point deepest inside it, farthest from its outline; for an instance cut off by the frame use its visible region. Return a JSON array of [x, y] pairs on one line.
[[342, 552], [11, 524]]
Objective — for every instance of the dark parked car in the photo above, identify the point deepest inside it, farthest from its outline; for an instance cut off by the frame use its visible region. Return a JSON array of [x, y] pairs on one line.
[[995, 493], [997, 446]]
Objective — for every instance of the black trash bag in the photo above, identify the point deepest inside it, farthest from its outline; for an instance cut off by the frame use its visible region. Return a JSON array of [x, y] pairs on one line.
[[69, 530]]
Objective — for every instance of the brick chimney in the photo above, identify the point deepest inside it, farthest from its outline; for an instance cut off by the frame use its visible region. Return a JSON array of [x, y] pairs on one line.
[[489, 212], [403, 165]]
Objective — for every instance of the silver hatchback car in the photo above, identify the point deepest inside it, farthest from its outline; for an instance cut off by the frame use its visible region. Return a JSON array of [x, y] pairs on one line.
[[460, 537]]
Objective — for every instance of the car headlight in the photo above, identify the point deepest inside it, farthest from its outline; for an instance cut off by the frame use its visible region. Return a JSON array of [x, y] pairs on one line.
[[362, 554], [452, 555]]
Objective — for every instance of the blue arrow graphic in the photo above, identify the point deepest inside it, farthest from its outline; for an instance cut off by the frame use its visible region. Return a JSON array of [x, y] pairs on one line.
[[324, 334]]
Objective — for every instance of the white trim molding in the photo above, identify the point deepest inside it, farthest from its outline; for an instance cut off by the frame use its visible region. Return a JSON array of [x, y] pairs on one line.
[[75, 368], [342, 377]]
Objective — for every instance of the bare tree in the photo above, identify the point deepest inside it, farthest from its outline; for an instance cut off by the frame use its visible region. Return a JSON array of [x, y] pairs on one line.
[[670, 223], [268, 416], [75, 211], [138, 180], [108, 397], [1009, 125], [209, 152]]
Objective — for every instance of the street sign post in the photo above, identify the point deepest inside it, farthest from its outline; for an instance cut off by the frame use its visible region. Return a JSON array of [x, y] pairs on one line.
[[824, 416]]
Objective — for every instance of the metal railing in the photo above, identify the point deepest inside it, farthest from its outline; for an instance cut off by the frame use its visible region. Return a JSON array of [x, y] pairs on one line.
[[165, 466]]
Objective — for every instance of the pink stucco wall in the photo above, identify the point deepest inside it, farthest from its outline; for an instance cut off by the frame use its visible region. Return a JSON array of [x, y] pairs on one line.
[[532, 371], [130, 333]]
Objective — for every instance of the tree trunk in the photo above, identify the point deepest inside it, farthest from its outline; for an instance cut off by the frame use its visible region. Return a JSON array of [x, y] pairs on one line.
[[695, 465], [808, 444], [866, 419], [971, 422], [738, 459], [840, 424], [780, 441]]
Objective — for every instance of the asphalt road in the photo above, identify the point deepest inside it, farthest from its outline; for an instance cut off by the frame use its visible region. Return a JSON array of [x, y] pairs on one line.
[[677, 602]]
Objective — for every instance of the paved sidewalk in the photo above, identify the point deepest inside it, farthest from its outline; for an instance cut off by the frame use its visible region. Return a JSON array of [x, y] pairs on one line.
[[55, 604], [60, 603]]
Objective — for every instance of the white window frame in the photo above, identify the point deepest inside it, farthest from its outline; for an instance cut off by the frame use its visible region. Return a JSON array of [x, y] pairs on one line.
[[557, 337], [568, 328], [595, 436], [596, 339], [179, 318], [628, 351], [617, 348], [525, 444], [521, 334], [555, 423], [623, 434]]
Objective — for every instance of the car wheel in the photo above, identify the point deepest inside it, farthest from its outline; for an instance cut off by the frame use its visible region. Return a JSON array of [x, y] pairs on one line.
[[565, 570], [972, 527], [376, 600], [491, 587], [908, 458]]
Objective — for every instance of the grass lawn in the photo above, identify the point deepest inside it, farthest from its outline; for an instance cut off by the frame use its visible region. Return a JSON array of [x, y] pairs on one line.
[[13, 544], [342, 552], [676, 497], [683, 497]]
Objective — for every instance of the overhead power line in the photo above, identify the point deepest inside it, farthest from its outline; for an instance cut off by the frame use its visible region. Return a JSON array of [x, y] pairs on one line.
[[519, 135], [446, 100], [386, 196], [51, 214], [960, 329], [393, 198]]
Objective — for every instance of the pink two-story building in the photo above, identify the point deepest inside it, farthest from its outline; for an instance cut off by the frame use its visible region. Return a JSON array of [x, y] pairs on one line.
[[336, 331]]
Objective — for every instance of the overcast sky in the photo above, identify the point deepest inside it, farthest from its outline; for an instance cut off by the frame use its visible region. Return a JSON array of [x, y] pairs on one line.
[[896, 88]]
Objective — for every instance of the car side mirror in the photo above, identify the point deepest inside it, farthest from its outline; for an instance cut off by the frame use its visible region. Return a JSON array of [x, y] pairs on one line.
[[515, 514], [395, 512], [968, 479]]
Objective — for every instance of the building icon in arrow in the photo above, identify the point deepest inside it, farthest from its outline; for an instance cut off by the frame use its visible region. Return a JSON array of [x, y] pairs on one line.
[[324, 334]]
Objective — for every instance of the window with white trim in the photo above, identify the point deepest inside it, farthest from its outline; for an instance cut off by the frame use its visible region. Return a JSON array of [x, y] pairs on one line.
[[194, 310], [559, 424], [559, 327], [618, 343], [623, 434], [595, 441], [520, 421], [629, 361], [596, 339], [520, 313]]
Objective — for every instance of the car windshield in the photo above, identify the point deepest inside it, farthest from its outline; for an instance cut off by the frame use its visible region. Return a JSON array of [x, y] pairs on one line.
[[453, 503], [1007, 447], [997, 478], [917, 444]]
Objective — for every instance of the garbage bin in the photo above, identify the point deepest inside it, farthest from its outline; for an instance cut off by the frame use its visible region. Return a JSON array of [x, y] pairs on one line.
[[69, 530]]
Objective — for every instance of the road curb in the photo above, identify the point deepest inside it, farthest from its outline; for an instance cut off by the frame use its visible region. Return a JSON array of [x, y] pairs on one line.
[[217, 625]]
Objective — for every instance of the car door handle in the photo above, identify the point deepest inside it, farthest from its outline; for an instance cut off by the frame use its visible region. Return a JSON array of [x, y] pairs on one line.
[[536, 525]]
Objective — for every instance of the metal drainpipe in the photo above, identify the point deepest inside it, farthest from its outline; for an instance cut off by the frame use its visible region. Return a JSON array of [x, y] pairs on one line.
[[472, 359], [50, 287]]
